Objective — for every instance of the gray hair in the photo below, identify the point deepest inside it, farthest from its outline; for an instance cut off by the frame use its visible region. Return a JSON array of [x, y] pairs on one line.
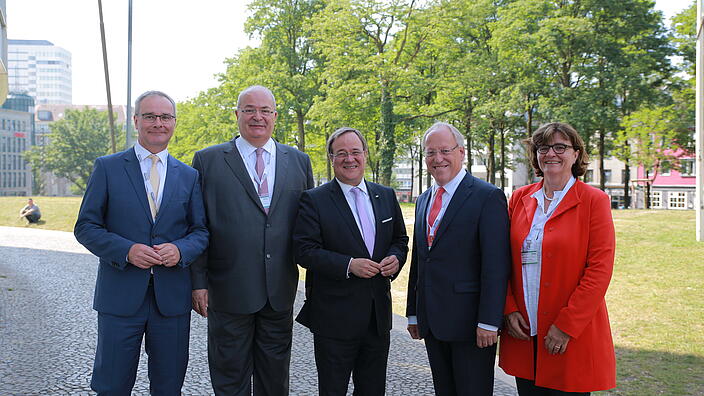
[[138, 102], [459, 139], [254, 88], [341, 131]]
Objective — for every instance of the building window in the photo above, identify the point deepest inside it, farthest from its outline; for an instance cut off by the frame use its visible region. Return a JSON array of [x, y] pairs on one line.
[[677, 200], [623, 175], [665, 167], [618, 201], [656, 199], [589, 176], [687, 167], [607, 175]]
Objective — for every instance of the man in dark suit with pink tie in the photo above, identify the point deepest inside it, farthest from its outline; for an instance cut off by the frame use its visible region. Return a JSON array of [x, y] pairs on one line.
[[459, 269], [351, 238]]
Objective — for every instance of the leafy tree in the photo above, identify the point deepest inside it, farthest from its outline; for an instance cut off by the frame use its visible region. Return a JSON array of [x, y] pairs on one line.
[[649, 136], [74, 143]]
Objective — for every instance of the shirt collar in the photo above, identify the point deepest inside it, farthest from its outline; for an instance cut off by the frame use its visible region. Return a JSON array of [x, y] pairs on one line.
[[452, 185], [248, 149], [143, 153], [556, 195], [346, 188]]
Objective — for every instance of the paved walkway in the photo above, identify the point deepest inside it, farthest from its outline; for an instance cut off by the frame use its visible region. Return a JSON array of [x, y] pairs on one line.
[[47, 328]]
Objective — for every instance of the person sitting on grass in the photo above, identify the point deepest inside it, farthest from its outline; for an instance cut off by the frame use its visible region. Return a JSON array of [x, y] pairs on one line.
[[30, 212]]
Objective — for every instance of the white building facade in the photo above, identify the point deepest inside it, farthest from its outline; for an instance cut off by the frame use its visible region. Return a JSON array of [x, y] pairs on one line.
[[41, 70]]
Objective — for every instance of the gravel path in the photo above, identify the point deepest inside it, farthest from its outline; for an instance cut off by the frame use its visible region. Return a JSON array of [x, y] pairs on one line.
[[48, 328]]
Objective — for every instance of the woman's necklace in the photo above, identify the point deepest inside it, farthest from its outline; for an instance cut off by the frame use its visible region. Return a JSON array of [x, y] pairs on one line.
[[546, 195]]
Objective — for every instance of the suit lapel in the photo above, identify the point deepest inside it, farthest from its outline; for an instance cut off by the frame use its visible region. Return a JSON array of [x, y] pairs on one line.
[[463, 191], [568, 202], [282, 158], [169, 184], [339, 200], [379, 215], [421, 221], [236, 163], [134, 174]]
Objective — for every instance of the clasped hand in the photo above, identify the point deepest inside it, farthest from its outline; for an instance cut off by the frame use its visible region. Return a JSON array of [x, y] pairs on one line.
[[365, 268], [143, 256]]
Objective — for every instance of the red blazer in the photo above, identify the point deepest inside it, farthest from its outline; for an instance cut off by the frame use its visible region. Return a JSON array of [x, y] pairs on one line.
[[577, 262]]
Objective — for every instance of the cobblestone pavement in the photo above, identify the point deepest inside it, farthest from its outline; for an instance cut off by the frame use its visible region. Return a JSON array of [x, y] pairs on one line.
[[48, 328]]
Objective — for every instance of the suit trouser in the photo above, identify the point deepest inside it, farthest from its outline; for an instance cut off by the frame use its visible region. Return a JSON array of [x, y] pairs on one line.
[[119, 344], [460, 367], [366, 358], [244, 345]]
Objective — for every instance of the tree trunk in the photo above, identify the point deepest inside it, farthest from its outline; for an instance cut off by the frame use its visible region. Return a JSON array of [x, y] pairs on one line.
[[491, 165], [420, 170], [647, 191], [626, 190], [300, 119], [387, 148], [503, 158], [602, 171]]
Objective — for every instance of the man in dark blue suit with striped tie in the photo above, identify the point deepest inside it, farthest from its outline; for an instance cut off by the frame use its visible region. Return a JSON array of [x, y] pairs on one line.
[[143, 216]]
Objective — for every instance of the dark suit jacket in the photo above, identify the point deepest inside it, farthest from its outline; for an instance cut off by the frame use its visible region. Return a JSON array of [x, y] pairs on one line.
[[250, 257], [326, 238], [115, 215], [461, 281]]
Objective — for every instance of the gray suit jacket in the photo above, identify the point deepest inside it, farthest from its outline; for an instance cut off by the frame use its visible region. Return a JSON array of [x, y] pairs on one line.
[[250, 258]]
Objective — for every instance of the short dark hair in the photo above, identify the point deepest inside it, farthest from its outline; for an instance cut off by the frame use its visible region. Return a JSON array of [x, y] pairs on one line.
[[341, 131], [138, 102], [545, 134]]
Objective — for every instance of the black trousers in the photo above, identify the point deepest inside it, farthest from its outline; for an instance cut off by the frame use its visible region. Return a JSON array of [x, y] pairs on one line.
[[365, 358], [528, 388], [461, 368], [250, 347]]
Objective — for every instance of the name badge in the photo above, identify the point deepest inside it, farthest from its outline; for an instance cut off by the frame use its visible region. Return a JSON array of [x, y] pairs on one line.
[[529, 257], [266, 200]]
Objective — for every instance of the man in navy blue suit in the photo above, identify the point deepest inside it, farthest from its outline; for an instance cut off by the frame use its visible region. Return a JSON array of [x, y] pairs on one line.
[[143, 216], [459, 269]]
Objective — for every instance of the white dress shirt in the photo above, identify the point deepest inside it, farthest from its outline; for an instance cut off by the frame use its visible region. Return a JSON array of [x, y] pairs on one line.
[[349, 197], [249, 157], [532, 252], [145, 164]]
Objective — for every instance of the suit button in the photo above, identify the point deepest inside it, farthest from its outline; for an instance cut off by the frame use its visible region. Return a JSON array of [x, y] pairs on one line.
[[550, 255], [268, 225], [546, 284], [268, 256], [551, 228]]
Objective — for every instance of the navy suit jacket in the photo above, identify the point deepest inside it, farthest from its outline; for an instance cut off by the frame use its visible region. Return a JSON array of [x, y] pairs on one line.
[[461, 280], [326, 237], [115, 214]]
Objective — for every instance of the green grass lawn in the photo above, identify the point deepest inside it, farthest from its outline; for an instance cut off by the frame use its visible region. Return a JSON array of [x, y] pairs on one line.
[[656, 298]]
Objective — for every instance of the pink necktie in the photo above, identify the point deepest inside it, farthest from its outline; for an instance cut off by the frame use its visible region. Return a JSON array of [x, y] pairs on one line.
[[364, 220], [259, 167]]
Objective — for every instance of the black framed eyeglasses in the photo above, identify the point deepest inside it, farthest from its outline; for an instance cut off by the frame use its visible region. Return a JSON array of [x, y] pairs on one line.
[[557, 148]]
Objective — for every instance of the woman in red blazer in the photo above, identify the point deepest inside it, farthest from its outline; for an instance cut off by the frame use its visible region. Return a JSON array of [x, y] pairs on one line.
[[557, 339]]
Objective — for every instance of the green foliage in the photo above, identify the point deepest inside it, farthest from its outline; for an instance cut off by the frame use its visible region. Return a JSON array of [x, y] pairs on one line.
[[496, 69], [74, 143]]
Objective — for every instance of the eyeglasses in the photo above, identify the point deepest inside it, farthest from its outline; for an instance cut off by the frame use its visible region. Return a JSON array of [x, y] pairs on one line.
[[558, 148], [433, 153], [151, 118], [263, 112], [344, 154]]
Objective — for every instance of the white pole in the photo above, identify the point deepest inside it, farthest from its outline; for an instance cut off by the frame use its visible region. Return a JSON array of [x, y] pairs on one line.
[[128, 116], [699, 163]]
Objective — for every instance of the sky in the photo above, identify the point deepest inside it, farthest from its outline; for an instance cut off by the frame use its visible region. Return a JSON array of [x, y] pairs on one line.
[[177, 47]]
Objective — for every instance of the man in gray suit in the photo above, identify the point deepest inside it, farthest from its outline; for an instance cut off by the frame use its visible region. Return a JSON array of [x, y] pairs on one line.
[[246, 281]]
